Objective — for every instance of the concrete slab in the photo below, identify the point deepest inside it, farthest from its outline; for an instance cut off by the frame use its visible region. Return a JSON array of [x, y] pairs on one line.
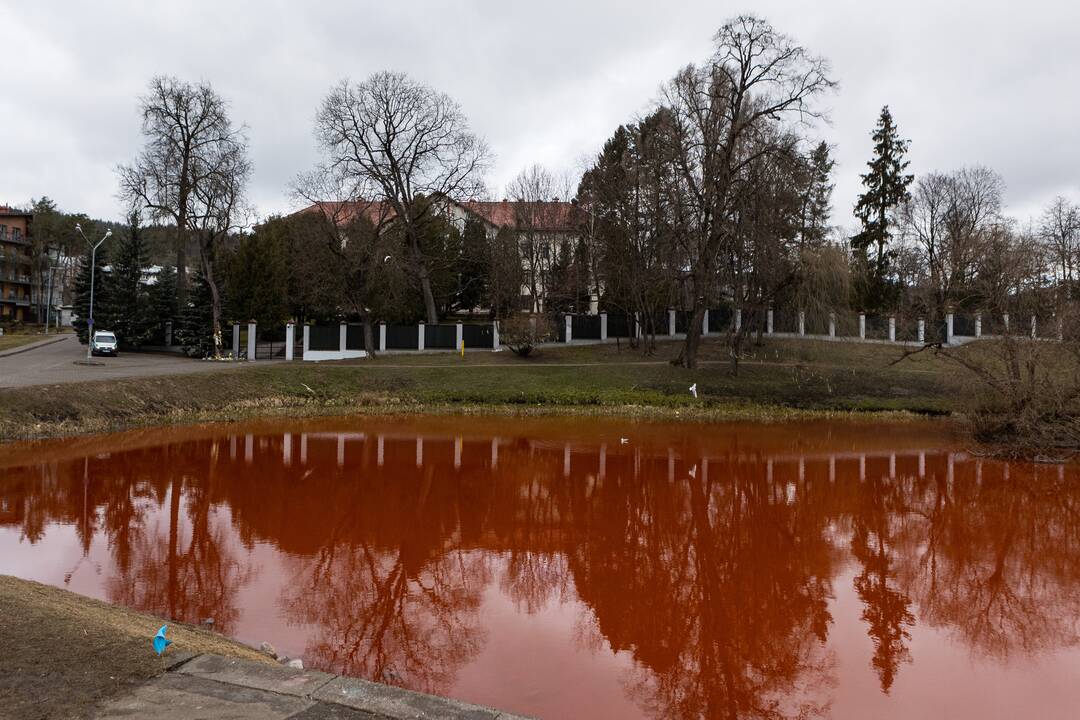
[[393, 702], [272, 678], [180, 697], [330, 711]]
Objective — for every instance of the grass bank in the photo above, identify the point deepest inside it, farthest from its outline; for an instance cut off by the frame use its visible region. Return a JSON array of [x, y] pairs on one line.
[[780, 379], [62, 654]]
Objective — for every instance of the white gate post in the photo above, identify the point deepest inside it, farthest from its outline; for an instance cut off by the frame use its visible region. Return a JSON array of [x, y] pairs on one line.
[[862, 326], [705, 324], [671, 323], [307, 339], [343, 334], [460, 336], [420, 336], [569, 328], [978, 325], [1005, 321], [892, 328], [168, 331], [738, 319], [832, 324], [922, 330], [236, 341], [1033, 333], [382, 336], [290, 340], [802, 322], [769, 321], [495, 335], [251, 341], [603, 327], [948, 328]]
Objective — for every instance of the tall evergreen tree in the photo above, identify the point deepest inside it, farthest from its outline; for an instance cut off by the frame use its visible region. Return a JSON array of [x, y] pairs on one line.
[[886, 189], [472, 267], [195, 329], [817, 196], [129, 303], [81, 299], [161, 299]]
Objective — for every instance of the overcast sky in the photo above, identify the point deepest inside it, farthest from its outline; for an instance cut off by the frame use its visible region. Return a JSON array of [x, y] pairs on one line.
[[990, 82]]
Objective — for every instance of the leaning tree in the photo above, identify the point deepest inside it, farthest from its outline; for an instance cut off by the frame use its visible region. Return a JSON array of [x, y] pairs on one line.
[[395, 140]]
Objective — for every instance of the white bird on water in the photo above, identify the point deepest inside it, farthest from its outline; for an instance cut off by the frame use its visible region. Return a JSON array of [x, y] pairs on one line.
[[693, 389]]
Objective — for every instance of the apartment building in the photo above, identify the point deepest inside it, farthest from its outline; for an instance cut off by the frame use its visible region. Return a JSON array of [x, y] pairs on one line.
[[15, 263]]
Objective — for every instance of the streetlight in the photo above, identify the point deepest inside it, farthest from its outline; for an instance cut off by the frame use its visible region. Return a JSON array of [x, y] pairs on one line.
[[93, 266]]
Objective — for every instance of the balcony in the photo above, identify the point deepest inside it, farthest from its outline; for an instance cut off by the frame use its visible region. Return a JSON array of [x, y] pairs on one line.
[[23, 301], [10, 277], [13, 239]]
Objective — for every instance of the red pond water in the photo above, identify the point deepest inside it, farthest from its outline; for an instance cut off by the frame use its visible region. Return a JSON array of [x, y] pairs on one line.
[[586, 568]]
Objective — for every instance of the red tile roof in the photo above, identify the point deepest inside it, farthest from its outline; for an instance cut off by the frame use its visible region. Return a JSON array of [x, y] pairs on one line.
[[344, 213], [554, 216]]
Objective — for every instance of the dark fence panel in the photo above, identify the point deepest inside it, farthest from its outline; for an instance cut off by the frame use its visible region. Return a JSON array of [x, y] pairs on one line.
[[877, 327], [440, 337], [620, 325], [324, 337], [785, 321], [585, 327], [354, 337], [964, 325], [402, 337], [682, 320], [721, 319], [559, 322], [755, 320], [478, 336]]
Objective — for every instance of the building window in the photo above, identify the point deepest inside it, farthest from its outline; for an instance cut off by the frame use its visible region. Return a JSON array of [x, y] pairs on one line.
[[16, 234], [3, 233]]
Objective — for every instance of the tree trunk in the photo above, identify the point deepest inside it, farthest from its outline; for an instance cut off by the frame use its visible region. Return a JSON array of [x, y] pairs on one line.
[[688, 357], [420, 265], [215, 301]]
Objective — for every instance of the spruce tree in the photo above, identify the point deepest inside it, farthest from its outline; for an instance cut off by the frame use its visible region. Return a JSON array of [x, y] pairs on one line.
[[886, 189], [81, 299], [817, 196], [128, 298], [162, 304], [195, 329]]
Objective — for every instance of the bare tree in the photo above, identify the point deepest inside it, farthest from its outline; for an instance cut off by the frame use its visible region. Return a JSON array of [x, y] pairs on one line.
[[534, 217], [402, 142], [1060, 231], [187, 131], [722, 112]]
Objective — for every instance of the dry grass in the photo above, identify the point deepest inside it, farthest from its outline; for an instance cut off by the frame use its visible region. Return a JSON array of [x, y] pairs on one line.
[[62, 654]]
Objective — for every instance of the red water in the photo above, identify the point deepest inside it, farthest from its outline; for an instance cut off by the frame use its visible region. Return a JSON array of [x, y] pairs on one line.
[[586, 568]]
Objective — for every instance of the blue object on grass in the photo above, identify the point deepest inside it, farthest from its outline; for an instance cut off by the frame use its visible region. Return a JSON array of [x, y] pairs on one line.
[[160, 641]]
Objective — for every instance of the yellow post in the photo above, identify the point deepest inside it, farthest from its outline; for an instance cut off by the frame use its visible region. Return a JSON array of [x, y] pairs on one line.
[[462, 348]]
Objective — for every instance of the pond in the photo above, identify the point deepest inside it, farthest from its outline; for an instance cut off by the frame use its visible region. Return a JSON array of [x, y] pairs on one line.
[[590, 568]]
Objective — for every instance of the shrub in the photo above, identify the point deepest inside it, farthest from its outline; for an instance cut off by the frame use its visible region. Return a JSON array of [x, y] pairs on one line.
[[522, 333]]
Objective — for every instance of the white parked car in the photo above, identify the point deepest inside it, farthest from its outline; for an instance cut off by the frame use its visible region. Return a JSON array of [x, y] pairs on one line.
[[104, 343]]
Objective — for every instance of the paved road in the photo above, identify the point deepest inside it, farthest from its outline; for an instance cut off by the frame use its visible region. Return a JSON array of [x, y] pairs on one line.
[[56, 363]]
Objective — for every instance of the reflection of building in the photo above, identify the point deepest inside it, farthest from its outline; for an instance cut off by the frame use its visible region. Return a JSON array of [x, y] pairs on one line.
[[15, 262]]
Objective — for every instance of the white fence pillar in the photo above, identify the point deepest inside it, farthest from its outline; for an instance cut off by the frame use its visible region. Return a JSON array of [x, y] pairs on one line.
[[738, 319], [1033, 328], [802, 322], [236, 341], [1005, 321], [769, 321], [343, 335], [290, 341], [862, 326], [460, 337], [671, 323], [922, 330], [382, 336], [948, 328], [251, 341], [420, 336], [892, 328], [307, 339], [168, 331], [832, 324], [569, 328], [495, 335], [603, 327], [978, 325], [705, 324]]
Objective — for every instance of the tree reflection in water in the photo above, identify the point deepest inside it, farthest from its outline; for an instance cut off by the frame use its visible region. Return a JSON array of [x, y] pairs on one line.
[[709, 562]]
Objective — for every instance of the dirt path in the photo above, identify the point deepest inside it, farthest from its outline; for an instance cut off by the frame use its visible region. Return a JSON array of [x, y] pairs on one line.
[[62, 654]]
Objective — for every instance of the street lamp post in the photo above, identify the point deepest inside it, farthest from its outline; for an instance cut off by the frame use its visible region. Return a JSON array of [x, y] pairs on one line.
[[93, 267]]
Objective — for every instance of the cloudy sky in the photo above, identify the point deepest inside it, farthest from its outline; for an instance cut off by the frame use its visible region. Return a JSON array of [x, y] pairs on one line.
[[990, 82]]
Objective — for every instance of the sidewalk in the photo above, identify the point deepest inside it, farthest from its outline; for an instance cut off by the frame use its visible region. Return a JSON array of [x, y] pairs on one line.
[[212, 686]]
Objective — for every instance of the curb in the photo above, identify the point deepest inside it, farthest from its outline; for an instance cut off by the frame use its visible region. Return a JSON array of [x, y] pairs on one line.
[[33, 346]]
